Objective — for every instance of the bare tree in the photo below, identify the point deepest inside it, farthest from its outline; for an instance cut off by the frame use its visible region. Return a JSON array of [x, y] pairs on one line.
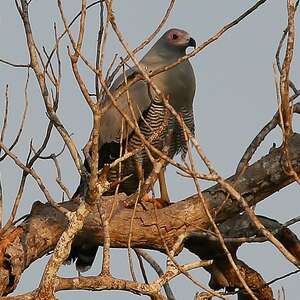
[[212, 224]]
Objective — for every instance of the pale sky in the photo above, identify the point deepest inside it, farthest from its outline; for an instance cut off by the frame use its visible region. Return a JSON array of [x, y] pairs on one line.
[[235, 98]]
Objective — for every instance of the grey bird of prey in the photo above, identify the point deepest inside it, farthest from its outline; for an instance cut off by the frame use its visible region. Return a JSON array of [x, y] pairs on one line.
[[155, 122]]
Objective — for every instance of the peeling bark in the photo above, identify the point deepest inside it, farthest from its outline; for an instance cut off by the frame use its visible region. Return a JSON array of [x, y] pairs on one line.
[[39, 233]]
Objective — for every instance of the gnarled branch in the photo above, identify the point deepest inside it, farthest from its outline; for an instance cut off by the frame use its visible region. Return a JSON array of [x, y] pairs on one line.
[[39, 233]]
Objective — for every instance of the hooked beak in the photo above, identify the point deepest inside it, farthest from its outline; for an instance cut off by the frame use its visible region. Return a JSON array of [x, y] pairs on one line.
[[192, 43]]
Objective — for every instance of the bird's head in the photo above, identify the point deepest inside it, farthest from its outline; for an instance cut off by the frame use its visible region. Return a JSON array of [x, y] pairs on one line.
[[171, 46], [179, 39]]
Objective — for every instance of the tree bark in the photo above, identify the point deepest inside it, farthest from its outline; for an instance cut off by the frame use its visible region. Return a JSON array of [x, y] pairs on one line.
[[39, 233]]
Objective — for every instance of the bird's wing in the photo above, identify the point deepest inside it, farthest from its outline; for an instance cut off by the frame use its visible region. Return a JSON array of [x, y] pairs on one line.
[[111, 123]]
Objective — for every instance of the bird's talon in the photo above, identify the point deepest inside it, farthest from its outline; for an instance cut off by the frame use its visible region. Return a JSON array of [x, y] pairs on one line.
[[158, 202]]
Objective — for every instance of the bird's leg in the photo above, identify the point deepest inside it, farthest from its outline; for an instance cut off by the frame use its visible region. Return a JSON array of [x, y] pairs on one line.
[[164, 196], [164, 200], [140, 172], [159, 173]]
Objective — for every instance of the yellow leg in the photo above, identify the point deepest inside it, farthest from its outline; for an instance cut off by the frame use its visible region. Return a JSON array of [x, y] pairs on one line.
[[164, 196], [140, 171], [164, 200]]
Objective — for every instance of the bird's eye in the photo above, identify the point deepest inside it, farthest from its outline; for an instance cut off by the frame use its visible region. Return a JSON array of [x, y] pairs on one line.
[[174, 36]]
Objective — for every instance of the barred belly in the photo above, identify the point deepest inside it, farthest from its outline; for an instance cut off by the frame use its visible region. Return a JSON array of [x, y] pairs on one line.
[[159, 127]]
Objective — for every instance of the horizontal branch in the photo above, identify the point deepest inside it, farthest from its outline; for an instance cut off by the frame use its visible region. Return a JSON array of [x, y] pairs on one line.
[[39, 233]]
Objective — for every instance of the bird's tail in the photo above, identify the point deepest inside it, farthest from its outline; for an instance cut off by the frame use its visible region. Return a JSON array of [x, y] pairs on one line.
[[82, 254]]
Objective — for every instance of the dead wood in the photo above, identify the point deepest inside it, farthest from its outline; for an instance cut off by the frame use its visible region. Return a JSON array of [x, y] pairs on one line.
[[39, 233]]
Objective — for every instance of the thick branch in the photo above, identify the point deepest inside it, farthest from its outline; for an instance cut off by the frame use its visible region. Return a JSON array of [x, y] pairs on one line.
[[39, 233]]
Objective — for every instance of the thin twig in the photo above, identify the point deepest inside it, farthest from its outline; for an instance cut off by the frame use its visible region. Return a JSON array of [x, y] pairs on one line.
[[256, 142], [142, 267], [174, 266], [214, 225], [34, 175], [5, 115], [284, 76], [229, 188], [39, 72], [145, 41], [277, 55], [158, 270], [106, 245], [59, 179], [14, 64], [16, 140], [58, 38], [211, 39], [130, 233], [283, 277], [99, 50]]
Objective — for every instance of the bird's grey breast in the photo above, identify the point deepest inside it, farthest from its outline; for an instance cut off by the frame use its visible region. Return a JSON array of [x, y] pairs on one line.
[[178, 84]]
